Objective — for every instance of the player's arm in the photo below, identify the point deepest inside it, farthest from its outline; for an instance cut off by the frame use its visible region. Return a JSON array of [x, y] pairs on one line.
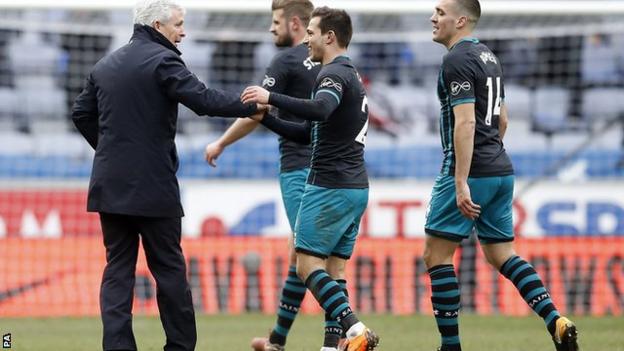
[[459, 80], [294, 131], [503, 121], [183, 86], [85, 113], [317, 109], [327, 97], [238, 130], [463, 140], [275, 79]]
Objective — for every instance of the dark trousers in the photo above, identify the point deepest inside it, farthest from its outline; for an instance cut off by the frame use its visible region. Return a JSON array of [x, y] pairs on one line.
[[161, 241]]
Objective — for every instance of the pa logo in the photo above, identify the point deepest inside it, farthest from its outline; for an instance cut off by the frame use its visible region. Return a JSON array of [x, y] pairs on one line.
[[6, 341], [456, 88]]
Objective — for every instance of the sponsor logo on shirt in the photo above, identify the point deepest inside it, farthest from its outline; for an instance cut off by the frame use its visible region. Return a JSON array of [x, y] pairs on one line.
[[329, 83], [268, 81], [456, 88], [487, 56], [309, 64]]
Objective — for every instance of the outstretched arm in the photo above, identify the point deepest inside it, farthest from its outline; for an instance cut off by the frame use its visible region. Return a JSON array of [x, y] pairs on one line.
[[238, 130], [317, 109], [183, 86]]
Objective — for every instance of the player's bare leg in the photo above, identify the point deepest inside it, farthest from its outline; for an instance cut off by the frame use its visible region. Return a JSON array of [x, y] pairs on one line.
[[530, 286]]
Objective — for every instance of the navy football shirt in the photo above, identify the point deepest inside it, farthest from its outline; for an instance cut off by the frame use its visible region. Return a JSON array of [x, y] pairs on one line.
[[336, 125], [291, 72], [471, 73], [338, 142]]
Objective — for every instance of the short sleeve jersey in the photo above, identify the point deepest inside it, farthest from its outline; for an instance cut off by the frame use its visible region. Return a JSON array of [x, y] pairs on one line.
[[338, 142], [292, 73], [471, 73]]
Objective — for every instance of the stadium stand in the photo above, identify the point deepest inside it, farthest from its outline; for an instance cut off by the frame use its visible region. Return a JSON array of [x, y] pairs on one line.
[[229, 50]]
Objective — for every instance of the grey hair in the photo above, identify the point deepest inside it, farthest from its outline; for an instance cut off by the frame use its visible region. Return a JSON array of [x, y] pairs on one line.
[[147, 12]]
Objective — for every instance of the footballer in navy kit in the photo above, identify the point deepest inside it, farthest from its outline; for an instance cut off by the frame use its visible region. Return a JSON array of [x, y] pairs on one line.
[[336, 193], [336, 127], [293, 73], [474, 190], [471, 74]]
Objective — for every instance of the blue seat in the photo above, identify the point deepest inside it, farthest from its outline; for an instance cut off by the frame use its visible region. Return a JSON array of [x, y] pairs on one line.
[[602, 104], [518, 101], [550, 112]]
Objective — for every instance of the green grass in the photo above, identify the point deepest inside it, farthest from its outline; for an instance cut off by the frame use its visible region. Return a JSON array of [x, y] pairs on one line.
[[413, 333]]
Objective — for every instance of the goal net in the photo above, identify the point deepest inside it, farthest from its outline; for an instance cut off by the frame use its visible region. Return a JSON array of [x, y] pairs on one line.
[[563, 63]]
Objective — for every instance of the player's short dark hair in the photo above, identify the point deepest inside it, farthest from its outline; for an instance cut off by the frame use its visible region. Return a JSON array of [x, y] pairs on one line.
[[472, 8], [335, 20], [299, 8]]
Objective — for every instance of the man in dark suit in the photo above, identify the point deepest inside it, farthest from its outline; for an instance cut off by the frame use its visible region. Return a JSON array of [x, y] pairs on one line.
[[128, 113]]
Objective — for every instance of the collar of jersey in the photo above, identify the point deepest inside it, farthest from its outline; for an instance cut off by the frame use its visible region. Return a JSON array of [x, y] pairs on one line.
[[472, 40], [346, 57]]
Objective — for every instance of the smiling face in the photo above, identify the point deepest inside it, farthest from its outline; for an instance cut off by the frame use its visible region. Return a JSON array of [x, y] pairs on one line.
[[444, 20], [173, 29], [315, 40]]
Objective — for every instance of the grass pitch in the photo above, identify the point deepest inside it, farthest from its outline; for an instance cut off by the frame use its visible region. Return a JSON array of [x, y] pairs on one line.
[[226, 333]]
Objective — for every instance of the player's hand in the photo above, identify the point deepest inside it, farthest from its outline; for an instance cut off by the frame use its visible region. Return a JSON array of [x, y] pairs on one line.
[[258, 116], [467, 208], [255, 94], [212, 152], [262, 108]]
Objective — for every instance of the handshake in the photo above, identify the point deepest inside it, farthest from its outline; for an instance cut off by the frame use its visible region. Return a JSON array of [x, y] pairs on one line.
[[258, 95]]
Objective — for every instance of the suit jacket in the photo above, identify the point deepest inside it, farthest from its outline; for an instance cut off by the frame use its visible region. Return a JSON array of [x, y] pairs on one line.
[[128, 113]]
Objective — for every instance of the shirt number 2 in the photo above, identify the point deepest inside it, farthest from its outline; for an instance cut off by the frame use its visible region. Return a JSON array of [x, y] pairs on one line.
[[361, 137]]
